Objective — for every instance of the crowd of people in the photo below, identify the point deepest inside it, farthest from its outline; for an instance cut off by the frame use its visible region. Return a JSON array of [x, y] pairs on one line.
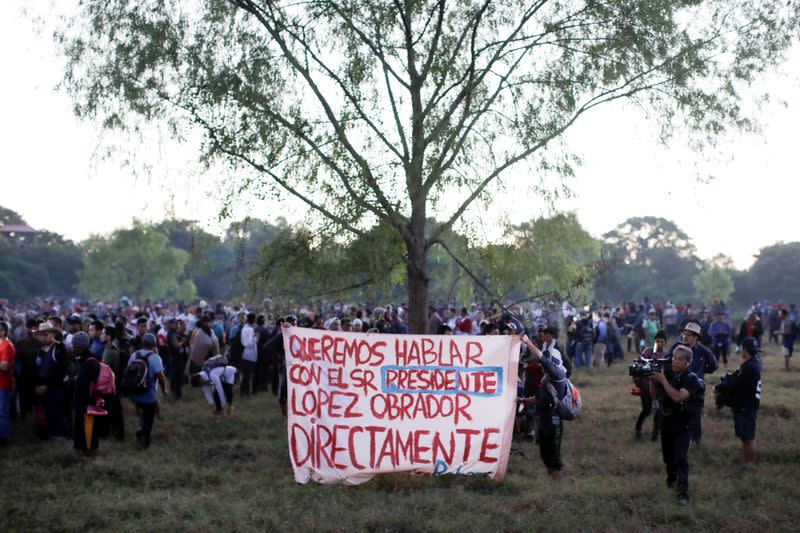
[[56, 358]]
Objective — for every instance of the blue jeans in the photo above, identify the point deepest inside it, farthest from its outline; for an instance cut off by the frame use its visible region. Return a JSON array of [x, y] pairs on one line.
[[583, 354], [6, 397]]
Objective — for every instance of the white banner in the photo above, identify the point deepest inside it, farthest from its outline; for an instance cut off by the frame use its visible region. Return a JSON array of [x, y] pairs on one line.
[[360, 404]]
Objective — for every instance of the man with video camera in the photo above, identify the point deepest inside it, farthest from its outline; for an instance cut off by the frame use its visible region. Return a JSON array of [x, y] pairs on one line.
[[703, 362], [678, 391], [741, 391]]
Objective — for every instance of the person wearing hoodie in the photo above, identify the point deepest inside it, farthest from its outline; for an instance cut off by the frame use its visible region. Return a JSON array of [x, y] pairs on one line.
[[87, 369]]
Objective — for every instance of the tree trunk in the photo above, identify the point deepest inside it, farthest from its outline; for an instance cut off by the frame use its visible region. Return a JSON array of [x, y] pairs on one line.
[[417, 294], [417, 270]]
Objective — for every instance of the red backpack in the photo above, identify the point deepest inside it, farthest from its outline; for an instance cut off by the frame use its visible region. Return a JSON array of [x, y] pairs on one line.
[[105, 383]]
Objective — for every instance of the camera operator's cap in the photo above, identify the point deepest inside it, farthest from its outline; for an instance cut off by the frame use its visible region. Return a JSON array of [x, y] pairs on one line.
[[661, 334], [751, 345], [693, 327]]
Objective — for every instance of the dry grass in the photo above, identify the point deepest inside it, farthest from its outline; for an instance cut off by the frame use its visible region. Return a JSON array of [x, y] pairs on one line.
[[234, 474]]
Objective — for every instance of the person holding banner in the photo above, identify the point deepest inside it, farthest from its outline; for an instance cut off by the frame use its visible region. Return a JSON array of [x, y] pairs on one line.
[[550, 426], [275, 346]]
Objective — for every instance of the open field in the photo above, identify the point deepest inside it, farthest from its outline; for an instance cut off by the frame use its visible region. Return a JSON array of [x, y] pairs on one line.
[[234, 474]]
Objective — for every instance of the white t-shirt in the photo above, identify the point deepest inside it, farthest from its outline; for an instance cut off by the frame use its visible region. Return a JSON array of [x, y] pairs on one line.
[[217, 376], [249, 341]]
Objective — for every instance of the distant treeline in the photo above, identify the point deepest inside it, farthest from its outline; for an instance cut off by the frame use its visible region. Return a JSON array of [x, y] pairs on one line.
[[555, 256]]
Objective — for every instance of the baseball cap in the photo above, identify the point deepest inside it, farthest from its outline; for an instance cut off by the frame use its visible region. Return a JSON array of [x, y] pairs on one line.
[[149, 340], [693, 327], [751, 345]]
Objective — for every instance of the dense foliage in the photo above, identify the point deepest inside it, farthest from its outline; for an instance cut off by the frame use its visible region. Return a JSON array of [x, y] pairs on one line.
[[550, 256], [44, 263]]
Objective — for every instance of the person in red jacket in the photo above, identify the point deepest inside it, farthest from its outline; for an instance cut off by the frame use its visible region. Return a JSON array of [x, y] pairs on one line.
[[6, 382], [464, 323]]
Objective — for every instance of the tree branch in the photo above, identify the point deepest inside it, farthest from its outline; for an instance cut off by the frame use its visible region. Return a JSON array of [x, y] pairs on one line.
[[263, 17], [466, 269]]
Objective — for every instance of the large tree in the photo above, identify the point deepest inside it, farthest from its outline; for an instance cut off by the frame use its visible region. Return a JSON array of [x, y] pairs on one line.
[[773, 276], [375, 110], [137, 262], [653, 258]]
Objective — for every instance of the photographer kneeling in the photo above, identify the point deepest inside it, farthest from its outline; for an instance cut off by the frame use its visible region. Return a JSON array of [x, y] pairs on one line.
[[741, 390], [678, 392]]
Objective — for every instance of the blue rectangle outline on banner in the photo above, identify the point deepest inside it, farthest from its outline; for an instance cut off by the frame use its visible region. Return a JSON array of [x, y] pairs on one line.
[[394, 390]]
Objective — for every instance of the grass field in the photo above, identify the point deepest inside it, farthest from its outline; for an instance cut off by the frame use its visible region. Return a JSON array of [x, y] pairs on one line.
[[234, 474]]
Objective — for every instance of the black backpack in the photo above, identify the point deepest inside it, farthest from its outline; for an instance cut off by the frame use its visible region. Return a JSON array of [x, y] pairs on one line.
[[213, 362], [136, 378]]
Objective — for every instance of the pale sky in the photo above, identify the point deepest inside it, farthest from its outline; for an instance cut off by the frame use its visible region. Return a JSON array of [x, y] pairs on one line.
[[51, 173]]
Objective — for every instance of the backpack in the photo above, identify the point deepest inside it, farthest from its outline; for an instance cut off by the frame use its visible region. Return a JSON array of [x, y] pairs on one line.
[[570, 406], [213, 362], [136, 378], [105, 382], [695, 404]]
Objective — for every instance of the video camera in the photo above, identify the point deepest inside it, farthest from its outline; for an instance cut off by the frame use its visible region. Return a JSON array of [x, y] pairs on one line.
[[722, 392], [643, 367]]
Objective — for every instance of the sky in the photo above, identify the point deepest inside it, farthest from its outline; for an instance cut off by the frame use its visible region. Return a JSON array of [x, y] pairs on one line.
[[54, 173]]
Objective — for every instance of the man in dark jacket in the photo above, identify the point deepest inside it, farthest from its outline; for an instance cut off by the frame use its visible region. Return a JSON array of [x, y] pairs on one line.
[[584, 348], [679, 392], [27, 349], [52, 367], [743, 389], [703, 362], [751, 327]]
